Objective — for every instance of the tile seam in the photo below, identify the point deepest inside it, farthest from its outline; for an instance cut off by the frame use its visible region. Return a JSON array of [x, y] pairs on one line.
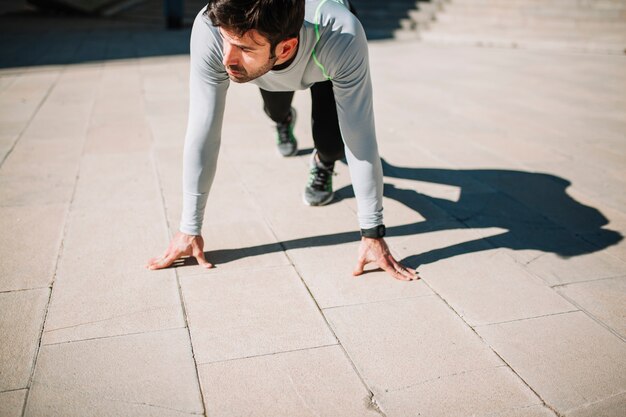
[[473, 330], [372, 402], [525, 318], [61, 245], [30, 120], [592, 316], [113, 336], [161, 193], [263, 355]]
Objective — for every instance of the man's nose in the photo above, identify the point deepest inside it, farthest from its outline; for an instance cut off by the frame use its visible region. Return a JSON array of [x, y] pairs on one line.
[[230, 55]]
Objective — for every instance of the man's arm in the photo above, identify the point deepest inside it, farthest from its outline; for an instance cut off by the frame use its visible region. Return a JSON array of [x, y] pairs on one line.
[[349, 70], [208, 83]]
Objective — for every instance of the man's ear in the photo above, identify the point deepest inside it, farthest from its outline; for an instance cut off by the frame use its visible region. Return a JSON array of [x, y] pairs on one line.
[[285, 48]]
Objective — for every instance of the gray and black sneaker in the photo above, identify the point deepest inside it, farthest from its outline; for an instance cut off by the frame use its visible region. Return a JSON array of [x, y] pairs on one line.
[[285, 139], [319, 190]]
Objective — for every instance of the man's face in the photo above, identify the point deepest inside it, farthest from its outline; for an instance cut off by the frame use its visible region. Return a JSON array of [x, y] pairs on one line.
[[246, 57]]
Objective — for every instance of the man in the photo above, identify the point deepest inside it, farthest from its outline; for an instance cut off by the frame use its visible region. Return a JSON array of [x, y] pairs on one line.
[[282, 46]]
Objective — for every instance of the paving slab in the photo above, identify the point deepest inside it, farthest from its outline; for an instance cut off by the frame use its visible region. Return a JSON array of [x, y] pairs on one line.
[[311, 382], [12, 403], [557, 270], [101, 287], [603, 299], [499, 184], [6, 144], [103, 182], [611, 407], [558, 356], [30, 177], [387, 361], [484, 392], [144, 375], [251, 312], [327, 271], [18, 239], [490, 287], [20, 326]]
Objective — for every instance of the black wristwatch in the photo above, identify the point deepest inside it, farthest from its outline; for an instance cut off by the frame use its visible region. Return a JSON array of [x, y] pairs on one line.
[[375, 232]]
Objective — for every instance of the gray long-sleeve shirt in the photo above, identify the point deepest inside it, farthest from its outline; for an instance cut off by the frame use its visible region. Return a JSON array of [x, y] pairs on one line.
[[332, 45]]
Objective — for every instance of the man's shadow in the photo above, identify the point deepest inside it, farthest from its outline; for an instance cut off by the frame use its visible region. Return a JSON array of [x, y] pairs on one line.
[[534, 209]]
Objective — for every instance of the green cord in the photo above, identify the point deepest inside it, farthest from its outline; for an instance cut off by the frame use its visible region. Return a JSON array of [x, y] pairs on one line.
[[317, 37]]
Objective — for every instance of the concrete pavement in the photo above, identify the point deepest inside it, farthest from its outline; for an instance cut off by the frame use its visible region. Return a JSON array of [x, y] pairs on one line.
[[504, 183]]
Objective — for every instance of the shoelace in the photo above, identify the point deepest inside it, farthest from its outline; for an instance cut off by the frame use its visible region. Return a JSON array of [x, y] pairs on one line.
[[319, 178], [284, 132]]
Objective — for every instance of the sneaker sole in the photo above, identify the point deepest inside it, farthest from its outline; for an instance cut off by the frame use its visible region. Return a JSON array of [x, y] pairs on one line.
[[321, 203], [295, 151]]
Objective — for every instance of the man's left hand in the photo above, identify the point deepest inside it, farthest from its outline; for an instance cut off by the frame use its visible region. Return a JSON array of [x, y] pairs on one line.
[[377, 251]]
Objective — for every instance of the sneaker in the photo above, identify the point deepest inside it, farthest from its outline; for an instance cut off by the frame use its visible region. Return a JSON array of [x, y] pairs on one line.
[[285, 140], [319, 190]]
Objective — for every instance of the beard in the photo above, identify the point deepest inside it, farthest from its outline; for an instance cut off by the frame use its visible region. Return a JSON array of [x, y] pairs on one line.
[[240, 75]]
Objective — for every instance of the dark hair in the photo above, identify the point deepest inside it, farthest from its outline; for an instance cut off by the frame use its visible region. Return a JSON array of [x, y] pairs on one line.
[[276, 20]]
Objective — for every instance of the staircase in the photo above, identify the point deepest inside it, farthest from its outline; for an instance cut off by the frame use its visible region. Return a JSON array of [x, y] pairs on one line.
[[575, 25]]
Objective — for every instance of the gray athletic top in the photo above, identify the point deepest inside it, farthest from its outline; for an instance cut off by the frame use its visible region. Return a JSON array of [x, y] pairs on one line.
[[332, 45]]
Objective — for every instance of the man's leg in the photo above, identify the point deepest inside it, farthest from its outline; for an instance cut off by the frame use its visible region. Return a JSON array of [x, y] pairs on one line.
[[277, 105], [329, 146]]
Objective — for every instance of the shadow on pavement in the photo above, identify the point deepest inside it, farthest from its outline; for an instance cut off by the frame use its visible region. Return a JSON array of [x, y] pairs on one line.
[[31, 37], [35, 38], [533, 208]]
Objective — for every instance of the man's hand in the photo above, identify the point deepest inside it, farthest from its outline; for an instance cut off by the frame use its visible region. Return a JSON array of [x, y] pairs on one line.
[[376, 250], [181, 245]]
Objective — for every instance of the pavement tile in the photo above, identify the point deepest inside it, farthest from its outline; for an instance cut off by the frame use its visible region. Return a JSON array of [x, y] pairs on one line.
[[251, 312], [12, 403], [118, 135], [12, 126], [20, 331], [101, 287], [557, 270], [611, 236], [116, 180], [31, 160], [30, 177], [490, 287], [15, 191], [425, 244], [532, 411], [611, 407], [140, 375], [167, 131], [20, 100], [559, 356], [312, 382], [60, 122], [6, 80], [399, 343], [603, 299], [484, 392], [6, 143], [18, 241], [292, 221], [327, 271], [239, 245]]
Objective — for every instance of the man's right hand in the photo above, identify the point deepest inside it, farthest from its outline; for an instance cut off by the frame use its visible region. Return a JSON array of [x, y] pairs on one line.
[[181, 245]]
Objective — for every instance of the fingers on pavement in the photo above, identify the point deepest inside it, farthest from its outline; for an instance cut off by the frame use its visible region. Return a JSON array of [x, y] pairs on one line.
[[164, 261]]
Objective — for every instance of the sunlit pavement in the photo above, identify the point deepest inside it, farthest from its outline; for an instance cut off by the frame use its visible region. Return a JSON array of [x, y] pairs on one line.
[[504, 181]]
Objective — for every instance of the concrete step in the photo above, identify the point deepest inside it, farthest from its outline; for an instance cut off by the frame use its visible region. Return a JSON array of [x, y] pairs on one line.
[[525, 41], [531, 24], [463, 10], [593, 4]]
